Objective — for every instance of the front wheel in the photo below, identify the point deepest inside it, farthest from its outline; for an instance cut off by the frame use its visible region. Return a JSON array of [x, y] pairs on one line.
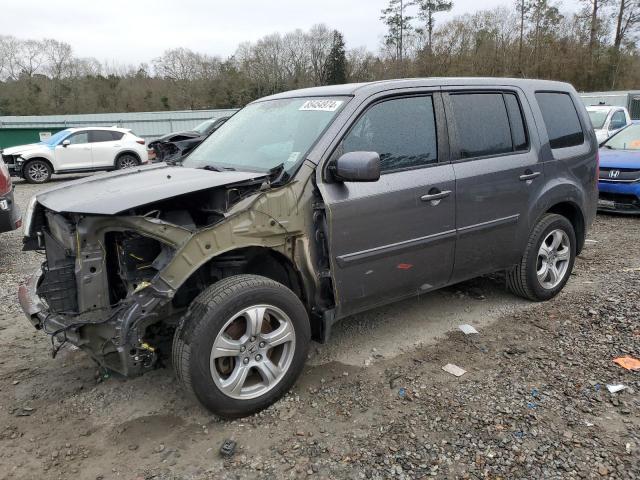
[[547, 261], [37, 171], [241, 345]]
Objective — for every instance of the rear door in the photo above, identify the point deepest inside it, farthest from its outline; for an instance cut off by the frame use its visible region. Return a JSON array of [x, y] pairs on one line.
[[394, 237], [76, 155], [105, 144], [497, 174]]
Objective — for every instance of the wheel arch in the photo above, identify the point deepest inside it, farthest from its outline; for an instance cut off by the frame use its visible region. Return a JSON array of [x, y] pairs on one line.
[[572, 212], [126, 152], [568, 199], [44, 159], [256, 260]]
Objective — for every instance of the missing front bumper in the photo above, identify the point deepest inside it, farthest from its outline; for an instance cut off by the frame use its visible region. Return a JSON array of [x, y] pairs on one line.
[[110, 338]]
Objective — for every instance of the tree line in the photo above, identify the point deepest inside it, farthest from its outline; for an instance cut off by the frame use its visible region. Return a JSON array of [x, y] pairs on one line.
[[594, 48]]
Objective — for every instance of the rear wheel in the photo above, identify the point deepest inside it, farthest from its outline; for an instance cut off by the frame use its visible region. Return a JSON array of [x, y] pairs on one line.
[[241, 345], [37, 171], [126, 160], [548, 260]]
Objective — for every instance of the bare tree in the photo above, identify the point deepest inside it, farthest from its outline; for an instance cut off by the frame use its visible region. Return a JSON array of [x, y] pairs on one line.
[[10, 49], [30, 57], [627, 21]]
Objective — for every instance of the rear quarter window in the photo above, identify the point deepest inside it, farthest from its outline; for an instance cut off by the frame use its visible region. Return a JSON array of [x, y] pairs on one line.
[[561, 119]]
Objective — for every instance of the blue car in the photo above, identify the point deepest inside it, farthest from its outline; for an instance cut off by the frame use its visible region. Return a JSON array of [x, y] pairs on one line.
[[619, 182]]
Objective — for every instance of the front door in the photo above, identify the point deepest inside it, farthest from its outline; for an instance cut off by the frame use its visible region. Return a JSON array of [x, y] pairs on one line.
[[76, 155], [497, 174], [394, 237]]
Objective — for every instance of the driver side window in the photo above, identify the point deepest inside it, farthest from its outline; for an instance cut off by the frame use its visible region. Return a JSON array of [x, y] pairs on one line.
[[402, 131], [78, 138]]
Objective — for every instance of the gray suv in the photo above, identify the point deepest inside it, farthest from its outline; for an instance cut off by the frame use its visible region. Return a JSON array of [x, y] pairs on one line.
[[304, 208]]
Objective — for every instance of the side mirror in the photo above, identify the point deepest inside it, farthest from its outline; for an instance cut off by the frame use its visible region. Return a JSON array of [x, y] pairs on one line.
[[357, 167], [66, 143]]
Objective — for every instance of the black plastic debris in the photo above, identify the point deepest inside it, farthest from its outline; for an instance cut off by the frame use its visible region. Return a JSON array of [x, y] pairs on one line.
[[228, 448]]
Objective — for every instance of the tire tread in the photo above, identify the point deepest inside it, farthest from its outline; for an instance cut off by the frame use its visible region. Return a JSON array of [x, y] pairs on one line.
[[191, 325]]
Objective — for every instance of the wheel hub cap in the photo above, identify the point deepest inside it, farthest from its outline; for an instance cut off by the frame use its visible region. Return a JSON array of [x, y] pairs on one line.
[[37, 172], [554, 255], [258, 342]]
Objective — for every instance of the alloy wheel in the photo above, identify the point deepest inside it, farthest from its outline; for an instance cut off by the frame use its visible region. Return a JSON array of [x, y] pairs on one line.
[[252, 352], [127, 162], [554, 256], [38, 172]]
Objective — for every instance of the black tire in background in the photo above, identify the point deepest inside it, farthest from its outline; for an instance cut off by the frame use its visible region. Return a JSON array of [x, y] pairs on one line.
[[37, 171], [523, 280], [201, 326], [127, 160]]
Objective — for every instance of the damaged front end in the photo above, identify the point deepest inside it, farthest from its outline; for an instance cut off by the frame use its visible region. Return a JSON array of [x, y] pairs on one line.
[[99, 288], [118, 276]]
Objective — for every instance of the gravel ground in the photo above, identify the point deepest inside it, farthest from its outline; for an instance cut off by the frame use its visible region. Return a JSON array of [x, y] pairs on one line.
[[373, 403]]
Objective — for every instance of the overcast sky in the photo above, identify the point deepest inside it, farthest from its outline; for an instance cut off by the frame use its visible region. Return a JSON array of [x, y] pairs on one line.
[[136, 31]]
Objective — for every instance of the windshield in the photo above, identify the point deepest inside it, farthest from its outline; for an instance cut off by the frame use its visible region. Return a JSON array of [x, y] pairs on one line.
[[54, 139], [202, 128], [626, 139], [267, 134], [598, 117]]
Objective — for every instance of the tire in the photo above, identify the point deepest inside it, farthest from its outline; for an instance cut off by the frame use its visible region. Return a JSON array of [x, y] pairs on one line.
[[127, 160], [531, 278], [37, 171], [219, 317]]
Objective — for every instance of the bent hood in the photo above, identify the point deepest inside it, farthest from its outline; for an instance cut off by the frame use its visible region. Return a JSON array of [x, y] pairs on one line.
[[115, 192], [619, 158], [171, 137], [23, 148]]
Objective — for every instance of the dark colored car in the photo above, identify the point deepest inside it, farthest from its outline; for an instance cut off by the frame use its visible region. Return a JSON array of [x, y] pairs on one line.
[[619, 184], [9, 214], [307, 207], [174, 146]]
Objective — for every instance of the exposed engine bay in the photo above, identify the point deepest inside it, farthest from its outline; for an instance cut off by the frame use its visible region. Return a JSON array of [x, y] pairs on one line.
[[117, 285]]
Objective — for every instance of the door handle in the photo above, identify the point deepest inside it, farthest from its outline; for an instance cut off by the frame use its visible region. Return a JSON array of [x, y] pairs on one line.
[[529, 175], [117, 146], [435, 196]]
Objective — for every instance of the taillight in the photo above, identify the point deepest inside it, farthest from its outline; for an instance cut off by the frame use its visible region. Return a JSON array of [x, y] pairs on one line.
[[5, 179], [141, 141]]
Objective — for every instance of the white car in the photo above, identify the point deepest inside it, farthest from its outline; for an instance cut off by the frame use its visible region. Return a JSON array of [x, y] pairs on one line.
[[77, 150], [607, 120]]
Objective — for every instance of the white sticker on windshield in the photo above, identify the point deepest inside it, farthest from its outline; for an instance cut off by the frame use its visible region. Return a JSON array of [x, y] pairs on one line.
[[321, 105], [293, 157]]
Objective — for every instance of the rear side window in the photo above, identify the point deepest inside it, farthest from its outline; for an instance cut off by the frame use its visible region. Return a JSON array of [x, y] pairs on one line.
[[561, 119], [402, 131], [96, 136], [482, 124]]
